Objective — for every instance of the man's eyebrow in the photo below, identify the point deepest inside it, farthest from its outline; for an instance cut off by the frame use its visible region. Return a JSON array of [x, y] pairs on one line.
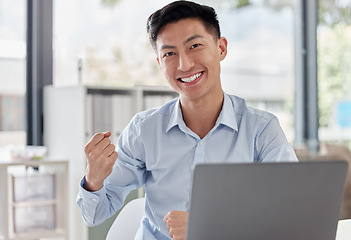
[[192, 38], [167, 47]]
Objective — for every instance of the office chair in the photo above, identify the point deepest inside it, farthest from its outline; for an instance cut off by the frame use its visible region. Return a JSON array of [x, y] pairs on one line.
[[128, 220]]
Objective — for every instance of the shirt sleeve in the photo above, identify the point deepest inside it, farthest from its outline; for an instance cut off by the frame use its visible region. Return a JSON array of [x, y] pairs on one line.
[[272, 145], [87, 202], [128, 174]]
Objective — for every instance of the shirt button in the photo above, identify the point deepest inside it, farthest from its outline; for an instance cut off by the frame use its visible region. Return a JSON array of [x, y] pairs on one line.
[[200, 143], [93, 199]]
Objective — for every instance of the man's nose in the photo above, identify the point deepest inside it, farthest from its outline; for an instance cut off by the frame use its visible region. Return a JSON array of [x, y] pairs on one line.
[[185, 62]]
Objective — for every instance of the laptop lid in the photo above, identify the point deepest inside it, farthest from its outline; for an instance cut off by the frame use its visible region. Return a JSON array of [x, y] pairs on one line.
[[266, 201]]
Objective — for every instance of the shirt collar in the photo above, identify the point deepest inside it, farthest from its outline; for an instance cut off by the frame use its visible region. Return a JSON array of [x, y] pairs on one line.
[[226, 117], [176, 117]]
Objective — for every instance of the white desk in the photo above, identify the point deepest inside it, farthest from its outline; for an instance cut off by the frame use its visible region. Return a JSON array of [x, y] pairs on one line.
[[344, 230]]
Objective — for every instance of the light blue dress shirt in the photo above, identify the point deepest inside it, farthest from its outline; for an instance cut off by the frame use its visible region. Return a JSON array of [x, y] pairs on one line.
[[157, 150]]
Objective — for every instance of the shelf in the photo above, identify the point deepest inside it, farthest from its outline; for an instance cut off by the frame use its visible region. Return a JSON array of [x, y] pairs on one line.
[[32, 163], [50, 212], [57, 233], [34, 203]]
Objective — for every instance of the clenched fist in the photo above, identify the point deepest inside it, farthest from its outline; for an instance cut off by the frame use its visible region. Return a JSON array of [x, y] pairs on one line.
[[101, 156], [177, 222]]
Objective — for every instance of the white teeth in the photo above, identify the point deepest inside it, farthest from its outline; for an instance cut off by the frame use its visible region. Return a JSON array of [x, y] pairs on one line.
[[192, 78]]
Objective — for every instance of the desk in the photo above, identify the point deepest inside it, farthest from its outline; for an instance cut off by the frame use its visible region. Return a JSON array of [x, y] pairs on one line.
[[344, 230]]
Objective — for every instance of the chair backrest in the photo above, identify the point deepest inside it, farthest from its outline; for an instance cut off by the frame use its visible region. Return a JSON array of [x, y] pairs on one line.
[[332, 152], [344, 230], [128, 220]]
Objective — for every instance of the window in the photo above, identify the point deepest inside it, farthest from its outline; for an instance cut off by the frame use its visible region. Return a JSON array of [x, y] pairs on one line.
[[260, 62], [334, 76], [12, 68]]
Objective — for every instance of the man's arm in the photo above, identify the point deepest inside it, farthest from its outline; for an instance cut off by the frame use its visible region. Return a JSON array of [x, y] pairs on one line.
[[108, 181], [101, 156], [272, 145]]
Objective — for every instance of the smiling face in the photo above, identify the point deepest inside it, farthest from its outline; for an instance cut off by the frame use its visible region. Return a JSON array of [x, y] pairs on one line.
[[189, 57]]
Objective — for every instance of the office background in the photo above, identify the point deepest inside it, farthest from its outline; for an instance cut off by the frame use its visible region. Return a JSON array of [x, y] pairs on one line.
[[289, 57], [284, 57]]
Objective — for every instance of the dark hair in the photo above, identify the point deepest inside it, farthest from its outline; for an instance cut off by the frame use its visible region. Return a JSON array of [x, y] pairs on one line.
[[179, 10]]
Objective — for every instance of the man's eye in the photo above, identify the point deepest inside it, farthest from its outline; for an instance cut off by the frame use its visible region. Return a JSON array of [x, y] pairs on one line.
[[169, 54], [194, 46]]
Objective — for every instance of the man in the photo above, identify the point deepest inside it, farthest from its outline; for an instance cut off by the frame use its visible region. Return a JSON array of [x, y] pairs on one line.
[[159, 148]]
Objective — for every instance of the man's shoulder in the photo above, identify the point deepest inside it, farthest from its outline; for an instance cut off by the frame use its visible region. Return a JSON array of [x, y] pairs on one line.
[[241, 107]]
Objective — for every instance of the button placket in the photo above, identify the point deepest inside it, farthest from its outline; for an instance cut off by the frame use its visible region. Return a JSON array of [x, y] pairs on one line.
[[199, 156]]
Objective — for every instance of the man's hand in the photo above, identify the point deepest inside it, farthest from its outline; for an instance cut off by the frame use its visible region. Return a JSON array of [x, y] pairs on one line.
[[101, 156], [177, 222]]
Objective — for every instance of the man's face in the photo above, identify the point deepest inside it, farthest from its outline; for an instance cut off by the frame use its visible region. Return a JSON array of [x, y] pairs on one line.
[[189, 56]]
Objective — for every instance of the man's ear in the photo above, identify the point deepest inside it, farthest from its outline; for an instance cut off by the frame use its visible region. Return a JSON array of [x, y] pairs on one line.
[[222, 47]]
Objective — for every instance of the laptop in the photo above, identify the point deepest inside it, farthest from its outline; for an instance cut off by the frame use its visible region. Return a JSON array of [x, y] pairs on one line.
[[266, 201]]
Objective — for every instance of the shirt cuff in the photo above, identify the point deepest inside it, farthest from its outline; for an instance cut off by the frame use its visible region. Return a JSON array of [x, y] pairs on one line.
[[90, 194], [88, 202]]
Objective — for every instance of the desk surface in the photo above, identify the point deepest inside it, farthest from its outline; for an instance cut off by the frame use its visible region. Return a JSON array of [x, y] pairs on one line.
[[344, 230], [32, 162]]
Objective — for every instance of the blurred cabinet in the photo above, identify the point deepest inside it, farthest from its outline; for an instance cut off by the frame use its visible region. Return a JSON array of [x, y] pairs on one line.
[[33, 200], [73, 114]]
